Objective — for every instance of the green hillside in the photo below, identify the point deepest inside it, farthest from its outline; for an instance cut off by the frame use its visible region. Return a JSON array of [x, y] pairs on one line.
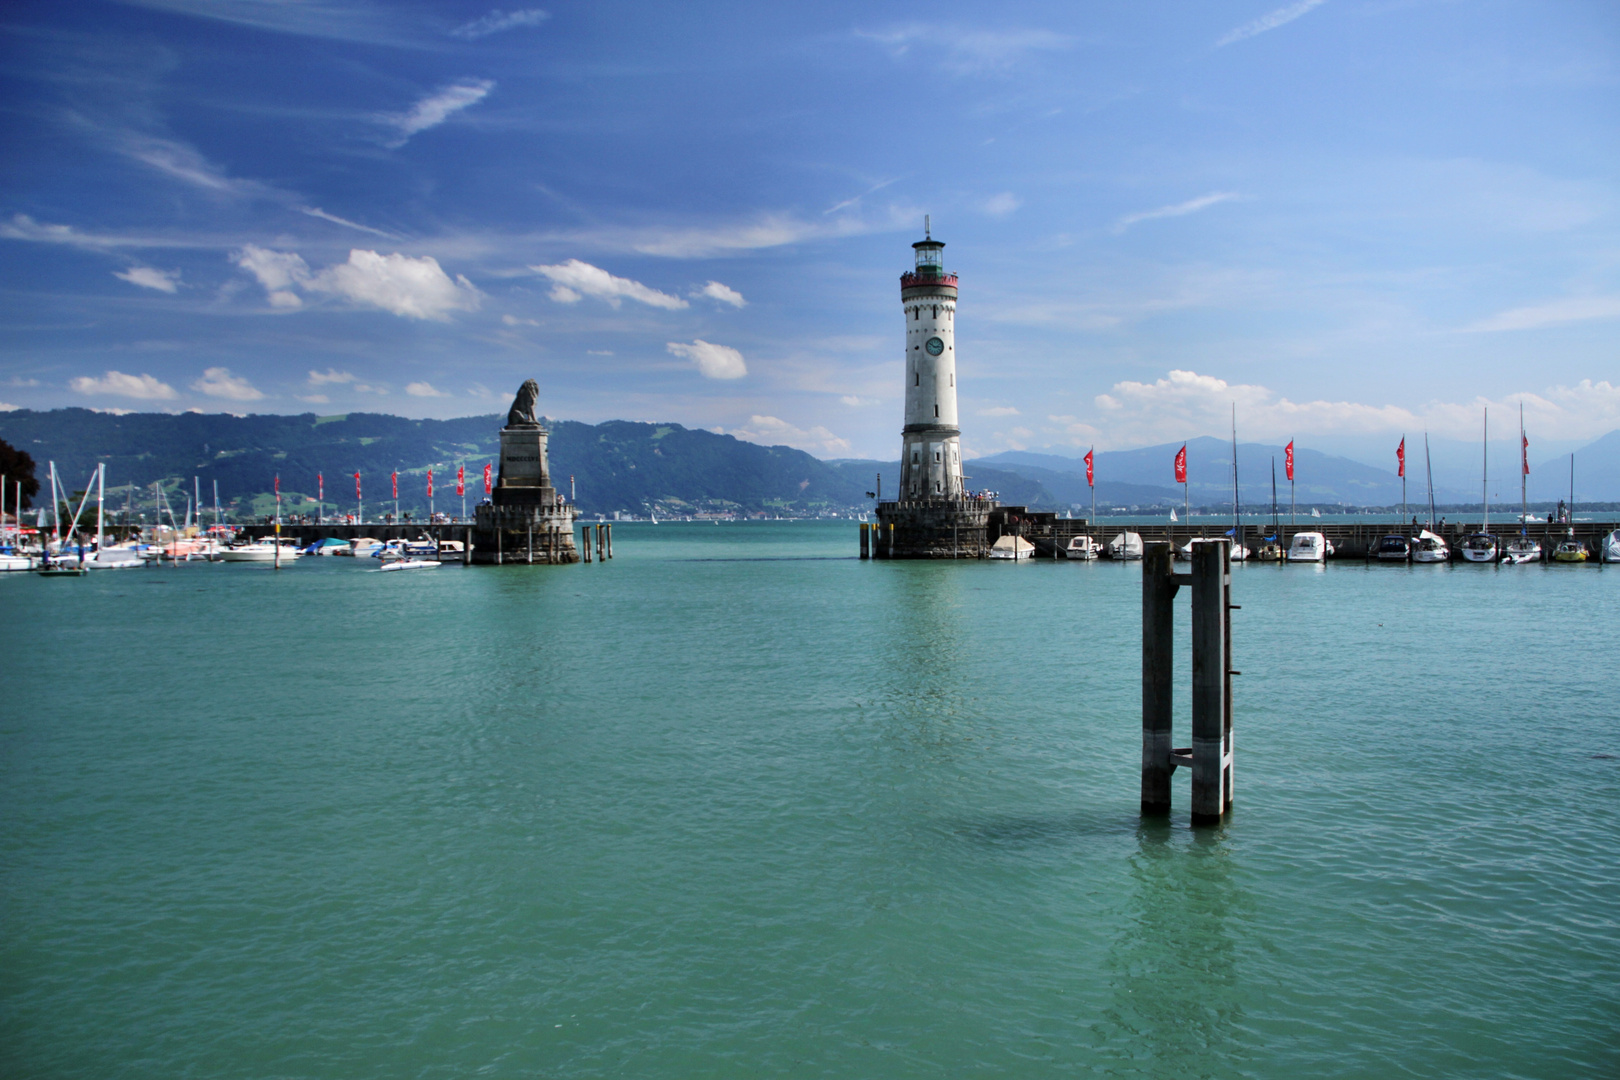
[[617, 465]]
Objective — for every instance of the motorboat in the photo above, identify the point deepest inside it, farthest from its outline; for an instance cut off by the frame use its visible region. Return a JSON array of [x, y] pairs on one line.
[[1521, 549], [1270, 551], [1393, 548], [1570, 551], [261, 551], [15, 561], [410, 564], [1013, 547], [1237, 552], [114, 558], [453, 549], [330, 546], [364, 547], [1082, 547], [1127, 545], [1479, 547], [1309, 547], [1609, 548], [1430, 548]]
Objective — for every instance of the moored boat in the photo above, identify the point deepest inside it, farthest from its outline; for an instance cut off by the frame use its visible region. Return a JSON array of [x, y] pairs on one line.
[[1610, 547], [261, 551], [1309, 547], [1393, 548], [1520, 550], [1011, 547], [1570, 551], [1082, 547], [1428, 547], [1127, 545], [1479, 547]]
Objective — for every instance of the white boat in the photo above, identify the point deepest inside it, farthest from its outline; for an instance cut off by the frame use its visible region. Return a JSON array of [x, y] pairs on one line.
[[409, 564], [364, 547], [1012, 547], [1479, 547], [1315, 512], [1610, 547], [1235, 553], [1127, 545], [1309, 547], [1520, 550], [1172, 513], [1430, 548], [15, 561], [1082, 547], [115, 558], [261, 551]]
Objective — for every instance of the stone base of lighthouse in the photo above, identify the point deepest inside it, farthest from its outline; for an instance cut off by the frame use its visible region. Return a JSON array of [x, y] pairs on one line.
[[934, 529]]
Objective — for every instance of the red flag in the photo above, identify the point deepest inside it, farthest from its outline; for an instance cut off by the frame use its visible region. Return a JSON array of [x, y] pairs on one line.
[[430, 483], [1400, 457], [488, 487], [461, 479], [320, 487], [396, 483], [1288, 459], [356, 485], [1091, 476], [1524, 452], [1181, 464], [278, 483]]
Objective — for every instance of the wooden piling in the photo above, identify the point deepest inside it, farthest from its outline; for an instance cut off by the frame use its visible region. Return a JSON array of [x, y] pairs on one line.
[[1211, 591], [466, 546], [866, 536], [610, 541], [530, 559], [1158, 649]]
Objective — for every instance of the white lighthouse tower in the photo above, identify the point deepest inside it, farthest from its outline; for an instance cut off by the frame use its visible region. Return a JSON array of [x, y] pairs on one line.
[[931, 451], [931, 516]]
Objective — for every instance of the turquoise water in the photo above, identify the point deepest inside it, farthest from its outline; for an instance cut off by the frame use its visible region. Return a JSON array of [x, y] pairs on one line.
[[737, 804]]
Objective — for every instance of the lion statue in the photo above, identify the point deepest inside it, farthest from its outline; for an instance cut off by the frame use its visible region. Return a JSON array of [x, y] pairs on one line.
[[522, 411]]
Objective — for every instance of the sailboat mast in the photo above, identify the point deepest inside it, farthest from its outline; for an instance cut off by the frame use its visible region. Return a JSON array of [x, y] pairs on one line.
[[1428, 467], [1485, 471], [101, 500], [1274, 528], [1237, 520], [1524, 470]]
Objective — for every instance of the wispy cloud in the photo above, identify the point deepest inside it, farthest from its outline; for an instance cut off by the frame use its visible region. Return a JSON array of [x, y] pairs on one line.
[[185, 163], [713, 361], [218, 382], [438, 107], [148, 277], [723, 293], [423, 389], [415, 288], [317, 212], [329, 376], [771, 431], [23, 227], [575, 279], [497, 21], [967, 50], [1269, 21], [1191, 206], [1002, 205], [847, 203], [1555, 313], [118, 384], [1000, 410]]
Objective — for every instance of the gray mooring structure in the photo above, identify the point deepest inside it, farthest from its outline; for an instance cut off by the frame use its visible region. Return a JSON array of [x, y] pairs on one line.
[[526, 519], [1209, 758]]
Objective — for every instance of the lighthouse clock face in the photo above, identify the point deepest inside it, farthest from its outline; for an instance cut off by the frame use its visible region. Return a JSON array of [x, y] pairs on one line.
[[934, 346]]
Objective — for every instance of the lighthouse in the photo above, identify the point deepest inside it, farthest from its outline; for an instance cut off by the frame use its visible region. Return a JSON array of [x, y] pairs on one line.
[[931, 450], [932, 515]]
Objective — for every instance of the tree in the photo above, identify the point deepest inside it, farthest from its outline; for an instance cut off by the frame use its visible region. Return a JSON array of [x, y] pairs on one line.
[[16, 466]]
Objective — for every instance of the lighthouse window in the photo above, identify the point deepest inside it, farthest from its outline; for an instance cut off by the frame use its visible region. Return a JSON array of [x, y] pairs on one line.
[[953, 378], [914, 457], [936, 412], [936, 311], [917, 375], [936, 456]]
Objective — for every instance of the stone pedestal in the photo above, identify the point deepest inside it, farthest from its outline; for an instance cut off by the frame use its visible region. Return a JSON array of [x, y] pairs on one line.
[[933, 529], [526, 520]]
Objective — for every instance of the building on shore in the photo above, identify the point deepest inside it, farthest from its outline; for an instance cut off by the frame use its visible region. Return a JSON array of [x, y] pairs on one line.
[[933, 515], [526, 520]]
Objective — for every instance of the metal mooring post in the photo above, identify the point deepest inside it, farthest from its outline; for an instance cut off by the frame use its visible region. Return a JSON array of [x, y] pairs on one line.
[[1209, 758], [865, 541]]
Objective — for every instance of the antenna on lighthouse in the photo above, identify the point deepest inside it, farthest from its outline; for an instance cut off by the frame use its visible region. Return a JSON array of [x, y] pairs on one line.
[[928, 233]]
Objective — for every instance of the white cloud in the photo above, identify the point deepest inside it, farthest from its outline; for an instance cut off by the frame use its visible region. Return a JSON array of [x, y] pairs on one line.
[[598, 352], [1555, 313], [513, 320], [771, 431], [438, 107], [1191, 206], [118, 384], [330, 375], [218, 382], [1269, 21], [112, 411], [713, 361], [416, 288], [1002, 205], [317, 212], [422, 389], [150, 278], [23, 227], [723, 293], [964, 50], [6, 406], [855, 402], [1000, 410], [575, 279], [499, 20]]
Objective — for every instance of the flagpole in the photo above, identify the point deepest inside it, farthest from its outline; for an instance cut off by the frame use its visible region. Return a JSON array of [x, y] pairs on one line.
[[278, 522]]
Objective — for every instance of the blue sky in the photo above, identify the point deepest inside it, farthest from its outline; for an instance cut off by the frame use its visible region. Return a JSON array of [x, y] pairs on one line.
[[1351, 219]]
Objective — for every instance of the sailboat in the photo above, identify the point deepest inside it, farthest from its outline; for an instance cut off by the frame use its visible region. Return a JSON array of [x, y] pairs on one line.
[[1172, 513], [1522, 548], [1239, 552], [1481, 546], [1315, 512], [1570, 550], [1427, 546], [1272, 549]]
